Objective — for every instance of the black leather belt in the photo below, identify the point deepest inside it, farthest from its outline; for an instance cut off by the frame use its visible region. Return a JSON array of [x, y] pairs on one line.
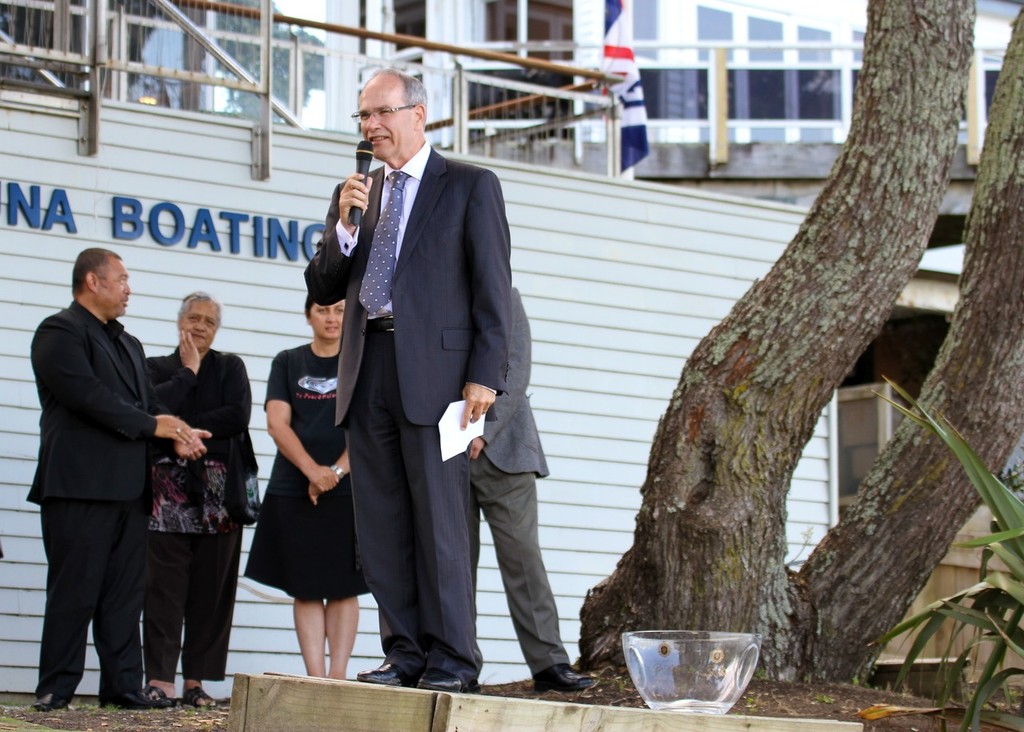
[[385, 324]]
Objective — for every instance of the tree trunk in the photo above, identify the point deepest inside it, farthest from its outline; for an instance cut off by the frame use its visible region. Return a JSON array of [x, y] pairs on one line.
[[868, 570], [709, 544]]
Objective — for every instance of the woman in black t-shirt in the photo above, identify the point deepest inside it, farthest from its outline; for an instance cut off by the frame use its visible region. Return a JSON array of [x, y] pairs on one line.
[[305, 540]]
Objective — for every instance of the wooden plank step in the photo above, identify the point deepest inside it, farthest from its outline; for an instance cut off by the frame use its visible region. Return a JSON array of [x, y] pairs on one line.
[[271, 702]]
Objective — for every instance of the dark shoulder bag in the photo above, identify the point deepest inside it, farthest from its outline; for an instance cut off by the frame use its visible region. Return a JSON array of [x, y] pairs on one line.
[[241, 490]]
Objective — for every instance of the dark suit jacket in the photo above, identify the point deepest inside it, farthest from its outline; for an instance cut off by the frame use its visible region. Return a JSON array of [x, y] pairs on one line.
[[97, 414], [513, 444], [450, 291]]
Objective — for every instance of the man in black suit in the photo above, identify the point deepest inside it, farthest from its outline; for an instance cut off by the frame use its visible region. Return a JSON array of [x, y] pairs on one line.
[[92, 485], [434, 331]]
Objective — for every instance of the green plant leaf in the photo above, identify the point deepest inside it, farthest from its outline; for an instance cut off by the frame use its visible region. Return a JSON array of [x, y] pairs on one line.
[[1010, 586], [991, 538], [1006, 508], [1001, 719], [1013, 563], [993, 608]]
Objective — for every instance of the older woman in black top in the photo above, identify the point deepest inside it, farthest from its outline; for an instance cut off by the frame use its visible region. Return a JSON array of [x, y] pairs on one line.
[[194, 545]]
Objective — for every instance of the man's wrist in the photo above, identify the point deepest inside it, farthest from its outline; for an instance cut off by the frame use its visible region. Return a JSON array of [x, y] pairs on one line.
[[339, 471], [482, 386]]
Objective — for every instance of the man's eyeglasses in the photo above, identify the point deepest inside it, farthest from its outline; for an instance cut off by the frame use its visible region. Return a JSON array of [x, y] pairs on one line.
[[382, 114]]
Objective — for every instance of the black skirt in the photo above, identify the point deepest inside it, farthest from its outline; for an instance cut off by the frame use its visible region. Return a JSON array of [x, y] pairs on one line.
[[307, 551]]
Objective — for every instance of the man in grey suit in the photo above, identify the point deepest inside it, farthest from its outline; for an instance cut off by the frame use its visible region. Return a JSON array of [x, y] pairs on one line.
[[426, 278], [505, 464]]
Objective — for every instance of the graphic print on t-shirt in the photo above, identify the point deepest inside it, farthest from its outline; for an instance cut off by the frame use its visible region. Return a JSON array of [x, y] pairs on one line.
[[319, 384]]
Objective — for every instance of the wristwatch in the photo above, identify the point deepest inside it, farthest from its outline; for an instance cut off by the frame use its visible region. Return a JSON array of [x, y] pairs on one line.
[[339, 471]]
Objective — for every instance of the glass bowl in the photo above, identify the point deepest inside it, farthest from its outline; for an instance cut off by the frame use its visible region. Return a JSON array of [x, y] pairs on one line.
[[695, 671]]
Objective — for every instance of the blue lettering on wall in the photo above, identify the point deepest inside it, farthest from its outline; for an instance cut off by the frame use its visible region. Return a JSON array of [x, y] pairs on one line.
[[177, 220], [127, 218], [59, 212], [257, 235], [234, 220], [290, 241], [309, 239], [202, 230], [16, 202], [165, 223], [269, 235]]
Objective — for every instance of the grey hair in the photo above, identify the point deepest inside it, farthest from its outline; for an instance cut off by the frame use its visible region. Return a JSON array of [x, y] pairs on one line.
[[186, 304], [413, 90]]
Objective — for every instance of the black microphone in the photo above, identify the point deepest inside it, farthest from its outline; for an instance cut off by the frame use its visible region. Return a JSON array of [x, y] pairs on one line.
[[364, 155]]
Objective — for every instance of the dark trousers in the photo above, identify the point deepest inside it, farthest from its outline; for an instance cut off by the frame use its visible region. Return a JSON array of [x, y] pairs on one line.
[[97, 572], [411, 523], [191, 581]]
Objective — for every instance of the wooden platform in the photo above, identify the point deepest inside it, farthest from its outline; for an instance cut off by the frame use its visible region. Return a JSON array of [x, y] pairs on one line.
[[271, 703]]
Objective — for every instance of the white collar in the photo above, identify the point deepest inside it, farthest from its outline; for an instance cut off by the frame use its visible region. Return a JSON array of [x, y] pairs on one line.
[[416, 165]]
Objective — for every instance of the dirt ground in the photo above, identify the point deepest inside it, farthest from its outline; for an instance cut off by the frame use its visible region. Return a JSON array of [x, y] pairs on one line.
[[613, 688]]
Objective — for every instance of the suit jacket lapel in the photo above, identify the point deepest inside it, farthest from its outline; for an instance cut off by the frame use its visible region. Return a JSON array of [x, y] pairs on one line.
[[426, 198], [99, 335], [135, 355], [372, 214], [364, 244]]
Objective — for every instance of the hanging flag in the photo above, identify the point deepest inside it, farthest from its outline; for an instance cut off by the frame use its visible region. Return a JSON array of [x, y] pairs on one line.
[[619, 61]]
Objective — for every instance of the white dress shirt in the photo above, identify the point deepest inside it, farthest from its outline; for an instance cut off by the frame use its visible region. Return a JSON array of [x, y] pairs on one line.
[[414, 169]]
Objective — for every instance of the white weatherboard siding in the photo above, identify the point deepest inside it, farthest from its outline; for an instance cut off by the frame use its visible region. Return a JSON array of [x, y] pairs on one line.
[[620, 280]]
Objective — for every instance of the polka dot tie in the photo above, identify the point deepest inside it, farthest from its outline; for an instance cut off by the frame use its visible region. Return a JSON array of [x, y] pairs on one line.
[[375, 291]]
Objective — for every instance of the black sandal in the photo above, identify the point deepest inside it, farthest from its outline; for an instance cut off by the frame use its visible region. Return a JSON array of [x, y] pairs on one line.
[[198, 698]]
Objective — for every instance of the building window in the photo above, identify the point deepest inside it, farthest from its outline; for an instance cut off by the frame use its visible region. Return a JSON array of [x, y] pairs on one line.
[[991, 76], [818, 94], [645, 20], [758, 94], [675, 93], [712, 25], [759, 29], [865, 424], [547, 20], [811, 35], [783, 94], [411, 17], [501, 20]]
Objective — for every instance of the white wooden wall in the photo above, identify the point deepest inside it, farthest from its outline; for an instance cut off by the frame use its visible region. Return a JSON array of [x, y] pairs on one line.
[[620, 280]]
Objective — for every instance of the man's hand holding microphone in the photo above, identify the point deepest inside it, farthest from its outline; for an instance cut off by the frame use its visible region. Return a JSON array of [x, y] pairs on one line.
[[354, 196]]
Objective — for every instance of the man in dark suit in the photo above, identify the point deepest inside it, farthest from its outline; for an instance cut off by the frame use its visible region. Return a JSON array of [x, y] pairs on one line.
[[432, 332], [504, 466], [92, 485]]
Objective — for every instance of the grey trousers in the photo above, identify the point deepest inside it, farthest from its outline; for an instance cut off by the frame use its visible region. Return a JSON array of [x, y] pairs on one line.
[[509, 504]]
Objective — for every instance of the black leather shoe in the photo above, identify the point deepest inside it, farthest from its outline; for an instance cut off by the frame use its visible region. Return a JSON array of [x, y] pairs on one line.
[[50, 703], [148, 697], [560, 677], [387, 675], [434, 679]]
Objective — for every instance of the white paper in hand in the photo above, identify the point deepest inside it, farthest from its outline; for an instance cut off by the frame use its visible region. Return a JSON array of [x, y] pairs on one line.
[[453, 438]]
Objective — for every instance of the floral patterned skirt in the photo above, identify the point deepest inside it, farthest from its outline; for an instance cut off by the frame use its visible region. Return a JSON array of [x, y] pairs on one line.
[[189, 499]]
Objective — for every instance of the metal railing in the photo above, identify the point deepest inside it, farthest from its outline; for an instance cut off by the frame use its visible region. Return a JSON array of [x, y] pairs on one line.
[[230, 58], [716, 93]]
